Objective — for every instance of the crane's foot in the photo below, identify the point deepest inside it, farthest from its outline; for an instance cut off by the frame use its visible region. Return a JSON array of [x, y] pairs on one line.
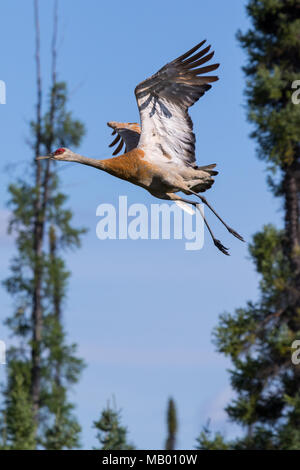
[[221, 247], [235, 234]]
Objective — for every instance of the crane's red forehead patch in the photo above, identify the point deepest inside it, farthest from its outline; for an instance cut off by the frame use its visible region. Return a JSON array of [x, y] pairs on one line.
[[59, 151]]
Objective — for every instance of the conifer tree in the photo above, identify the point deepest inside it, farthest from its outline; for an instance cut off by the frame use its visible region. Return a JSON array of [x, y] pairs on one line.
[[42, 366], [258, 338], [171, 425], [111, 434], [18, 425]]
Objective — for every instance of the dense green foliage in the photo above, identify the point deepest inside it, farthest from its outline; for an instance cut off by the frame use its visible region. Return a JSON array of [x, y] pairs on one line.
[[111, 435], [37, 201], [258, 338], [171, 425]]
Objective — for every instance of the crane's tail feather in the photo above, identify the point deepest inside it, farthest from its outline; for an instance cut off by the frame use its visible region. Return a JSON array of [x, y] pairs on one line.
[[203, 178], [208, 169]]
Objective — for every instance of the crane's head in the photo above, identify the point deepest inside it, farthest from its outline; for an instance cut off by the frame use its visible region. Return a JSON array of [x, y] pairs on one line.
[[59, 154]]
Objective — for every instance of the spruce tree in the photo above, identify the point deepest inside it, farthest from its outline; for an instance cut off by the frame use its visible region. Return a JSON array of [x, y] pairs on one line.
[[258, 338], [171, 425], [42, 365], [111, 434], [18, 425]]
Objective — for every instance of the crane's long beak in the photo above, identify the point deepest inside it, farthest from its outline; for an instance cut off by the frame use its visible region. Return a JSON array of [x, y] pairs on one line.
[[46, 157]]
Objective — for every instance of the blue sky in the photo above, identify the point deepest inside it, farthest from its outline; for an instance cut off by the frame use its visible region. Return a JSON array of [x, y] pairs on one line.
[[142, 312]]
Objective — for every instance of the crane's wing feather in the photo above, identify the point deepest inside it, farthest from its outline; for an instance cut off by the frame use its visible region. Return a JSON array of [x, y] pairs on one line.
[[128, 133], [163, 101]]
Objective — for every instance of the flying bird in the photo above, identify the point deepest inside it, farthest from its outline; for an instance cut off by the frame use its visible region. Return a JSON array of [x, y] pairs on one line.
[[160, 155]]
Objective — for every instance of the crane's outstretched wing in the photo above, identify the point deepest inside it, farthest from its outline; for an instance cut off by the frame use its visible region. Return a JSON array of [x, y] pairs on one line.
[[163, 101], [128, 133]]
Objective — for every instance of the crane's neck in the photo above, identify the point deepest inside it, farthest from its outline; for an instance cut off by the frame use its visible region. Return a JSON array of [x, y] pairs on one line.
[[124, 166], [76, 157]]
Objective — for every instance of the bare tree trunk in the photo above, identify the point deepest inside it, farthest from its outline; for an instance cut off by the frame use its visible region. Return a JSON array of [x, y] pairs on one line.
[[37, 318], [292, 225], [56, 300], [42, 184]]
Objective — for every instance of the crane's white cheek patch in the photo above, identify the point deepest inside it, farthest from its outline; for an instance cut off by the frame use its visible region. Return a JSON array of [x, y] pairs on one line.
[[164, 221]]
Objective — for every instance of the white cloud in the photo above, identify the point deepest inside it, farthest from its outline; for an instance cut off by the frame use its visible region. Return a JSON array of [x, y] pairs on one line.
[[217, 417], [215, 411], [4, 219], [149, 357]]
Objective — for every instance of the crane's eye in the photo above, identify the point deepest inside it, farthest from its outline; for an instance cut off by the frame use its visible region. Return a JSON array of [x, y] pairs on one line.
[[59, 151]]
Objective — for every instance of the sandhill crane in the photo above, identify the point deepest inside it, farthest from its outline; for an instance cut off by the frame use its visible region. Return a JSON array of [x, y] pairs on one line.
[[160, 156]]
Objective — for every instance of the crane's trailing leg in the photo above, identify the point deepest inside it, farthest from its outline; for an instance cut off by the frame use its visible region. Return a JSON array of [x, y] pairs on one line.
[[204, 200], [217, 242]]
